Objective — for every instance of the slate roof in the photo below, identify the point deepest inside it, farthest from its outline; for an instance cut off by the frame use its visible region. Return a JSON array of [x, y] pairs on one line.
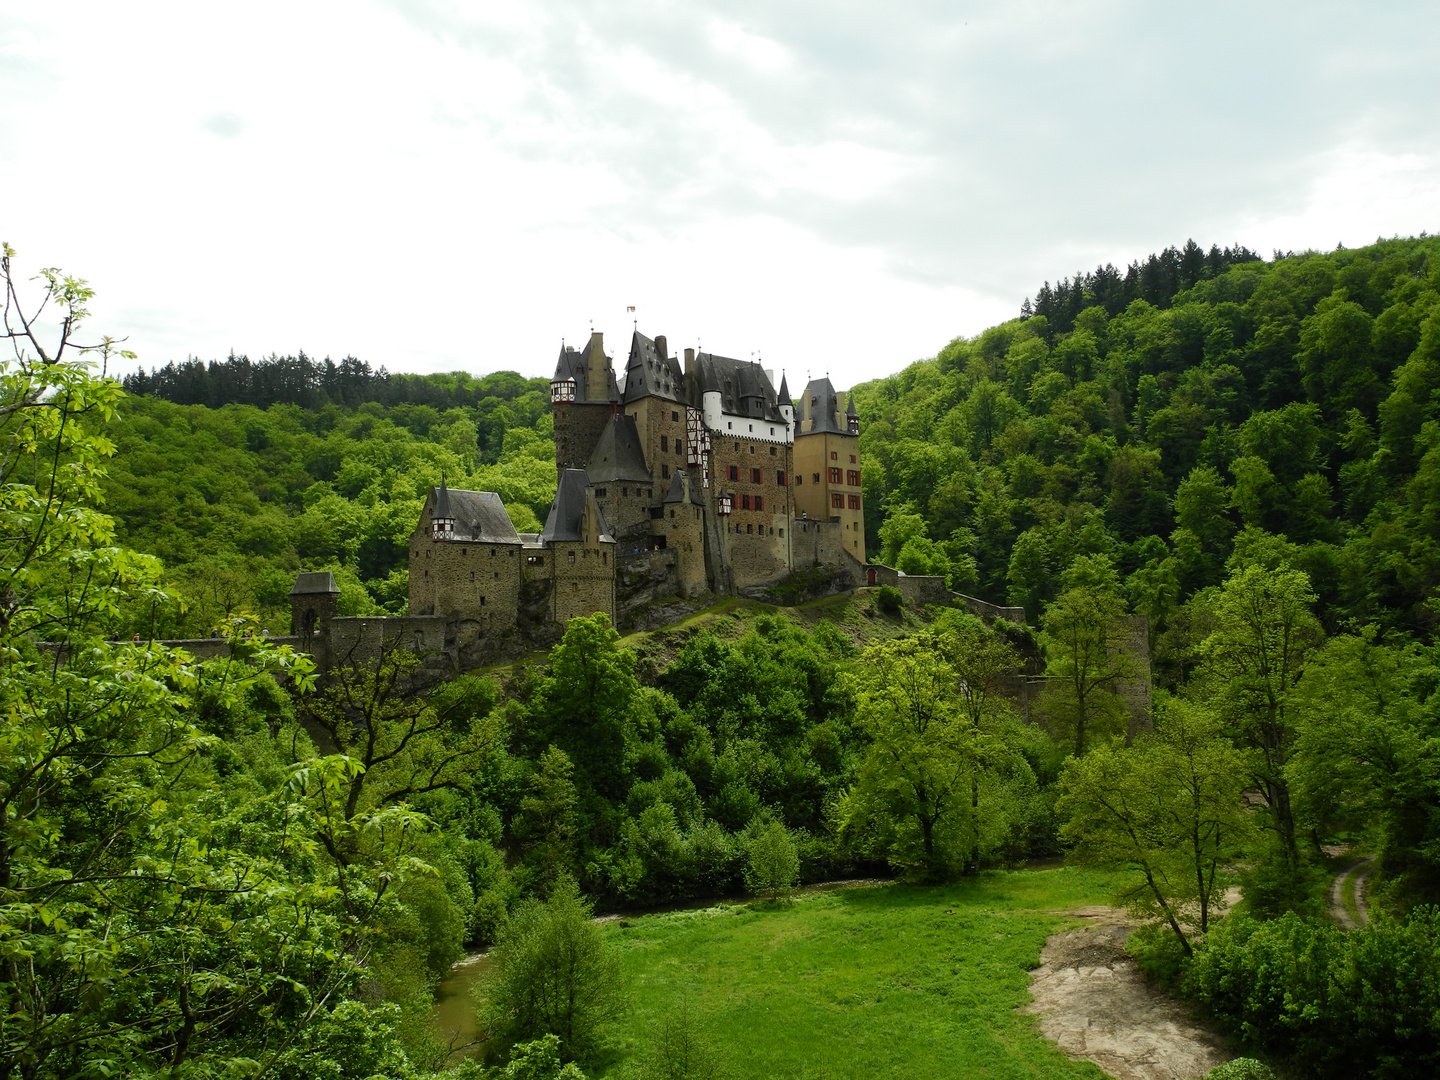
[[319, 581], [618, 454], [743, 386], [566, 520], [823, 411], [648, 374], [784, 398], [574, 365], [677, 488], [479, 515]]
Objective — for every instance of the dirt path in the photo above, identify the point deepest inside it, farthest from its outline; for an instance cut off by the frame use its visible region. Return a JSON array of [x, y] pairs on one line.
[[1360, 869], [1092, 1000]]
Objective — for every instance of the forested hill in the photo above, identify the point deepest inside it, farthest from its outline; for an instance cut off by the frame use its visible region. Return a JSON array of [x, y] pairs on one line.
[[1283, 410], [252, 471]]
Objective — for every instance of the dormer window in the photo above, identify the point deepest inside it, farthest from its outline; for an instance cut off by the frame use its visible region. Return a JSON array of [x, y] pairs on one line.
[[442, 529]]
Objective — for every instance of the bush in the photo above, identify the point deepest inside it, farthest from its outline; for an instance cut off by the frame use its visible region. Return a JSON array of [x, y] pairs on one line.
[[680, 1048], [1241, 1069], [889, 599], [1335, 1004], [554, 974], [773, 865]]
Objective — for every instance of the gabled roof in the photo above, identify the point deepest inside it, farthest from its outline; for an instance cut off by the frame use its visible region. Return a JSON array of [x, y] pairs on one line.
[[618, 454], [479, 515], [678, 483], [823, 411], [566, 521], [648, 374], [743, 386]]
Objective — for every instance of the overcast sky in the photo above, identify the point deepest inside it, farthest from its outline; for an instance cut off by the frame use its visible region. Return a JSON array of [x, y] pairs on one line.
[[839, 187]]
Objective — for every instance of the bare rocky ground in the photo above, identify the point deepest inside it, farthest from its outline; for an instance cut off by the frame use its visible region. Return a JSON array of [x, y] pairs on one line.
[[1093, 1002]]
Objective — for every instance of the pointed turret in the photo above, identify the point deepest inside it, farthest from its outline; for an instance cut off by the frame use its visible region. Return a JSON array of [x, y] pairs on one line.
[[442, 521], [785, 401], [852, 418]]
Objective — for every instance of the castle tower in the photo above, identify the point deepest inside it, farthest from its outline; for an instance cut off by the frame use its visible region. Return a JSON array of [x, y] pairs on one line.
[[314, 601], [827, 465], [683, 527], [583, 394], [582, 551]]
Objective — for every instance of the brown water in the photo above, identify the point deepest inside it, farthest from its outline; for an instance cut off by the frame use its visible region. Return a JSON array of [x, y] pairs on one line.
[[453, 1017]]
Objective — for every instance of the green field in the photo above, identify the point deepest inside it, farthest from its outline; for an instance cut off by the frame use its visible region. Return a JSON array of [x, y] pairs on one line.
[[889, 981]]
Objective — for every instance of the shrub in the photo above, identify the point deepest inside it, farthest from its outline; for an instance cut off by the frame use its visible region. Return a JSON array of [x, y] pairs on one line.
[[773, 866], [889, 599], [554, 974], [1241, 1069], [1336, 1004]]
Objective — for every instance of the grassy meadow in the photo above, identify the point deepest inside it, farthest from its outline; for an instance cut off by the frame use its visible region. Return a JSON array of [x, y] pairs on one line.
[[886, 981]]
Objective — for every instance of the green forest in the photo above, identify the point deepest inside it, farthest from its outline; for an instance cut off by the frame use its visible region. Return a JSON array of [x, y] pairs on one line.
[[237, 867]]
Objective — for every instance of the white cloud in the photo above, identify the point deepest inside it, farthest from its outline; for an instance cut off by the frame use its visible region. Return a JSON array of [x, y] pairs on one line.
[[434, 185]]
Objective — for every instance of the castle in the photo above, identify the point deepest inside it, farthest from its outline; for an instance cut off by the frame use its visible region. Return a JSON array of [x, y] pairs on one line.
[[672, 482]]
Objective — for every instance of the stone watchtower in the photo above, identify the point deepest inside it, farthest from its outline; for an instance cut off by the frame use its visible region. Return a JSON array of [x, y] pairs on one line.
[[314, 601]]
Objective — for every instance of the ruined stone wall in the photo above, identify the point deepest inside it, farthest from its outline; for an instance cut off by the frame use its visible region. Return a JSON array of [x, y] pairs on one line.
[[578, 426], [583, 579], [926, 589]]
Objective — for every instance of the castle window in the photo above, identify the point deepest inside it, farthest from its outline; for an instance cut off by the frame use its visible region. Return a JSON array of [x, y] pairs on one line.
[[729, 425], [799, 479], [665, 472], [835, 476], [664, 444], [834, 456], [817, 478], [599, 493], [604, 558], [497, 575], [674, 416], [427, 573], [854, 502], [759, 502], [744, 502], [756, 477], [750, 528], [837, 502], [852, 459], [482, 601], [814, 402], [672, 513], [772, 451], [752, 427], [512, 552], [852, 477], [625, 492], [782, 532], [535, 560], [572, 554], [772, 432], [472, 575], [780, 477], [734, 475], [464, 552], [492, 552]]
